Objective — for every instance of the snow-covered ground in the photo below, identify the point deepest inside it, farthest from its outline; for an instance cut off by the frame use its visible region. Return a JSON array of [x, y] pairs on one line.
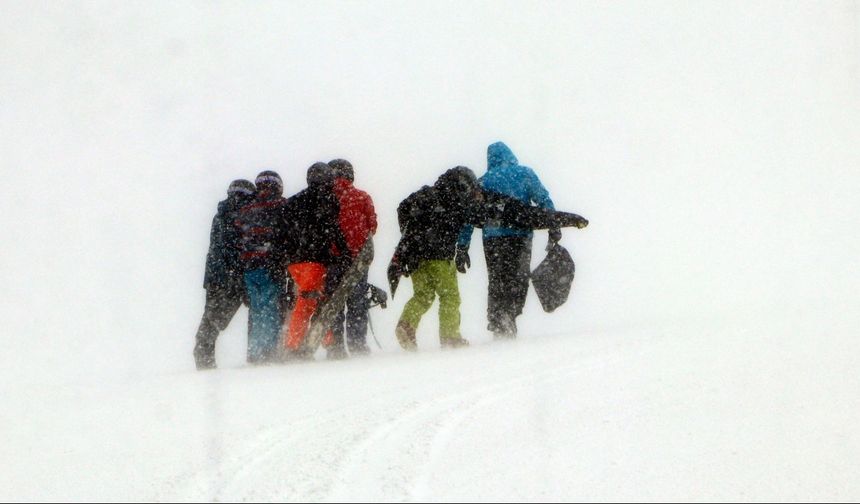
[[710, 348]]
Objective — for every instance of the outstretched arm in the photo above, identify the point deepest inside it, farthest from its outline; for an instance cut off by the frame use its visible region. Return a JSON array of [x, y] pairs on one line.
[[537, 192]]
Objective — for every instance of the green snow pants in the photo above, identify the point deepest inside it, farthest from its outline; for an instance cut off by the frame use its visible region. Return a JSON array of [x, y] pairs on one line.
[[431, 278]]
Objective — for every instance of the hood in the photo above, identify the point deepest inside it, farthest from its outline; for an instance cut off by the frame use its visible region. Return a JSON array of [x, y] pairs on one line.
[[500, 155]]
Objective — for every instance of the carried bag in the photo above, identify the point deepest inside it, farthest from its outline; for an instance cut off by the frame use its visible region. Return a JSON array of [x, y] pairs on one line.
[[553, 278]]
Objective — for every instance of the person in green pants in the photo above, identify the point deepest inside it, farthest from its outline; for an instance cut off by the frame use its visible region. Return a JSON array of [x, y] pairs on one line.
[[431, 220]]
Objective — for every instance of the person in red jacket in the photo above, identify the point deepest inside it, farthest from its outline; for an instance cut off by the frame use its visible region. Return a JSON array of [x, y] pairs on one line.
[[358, 223]]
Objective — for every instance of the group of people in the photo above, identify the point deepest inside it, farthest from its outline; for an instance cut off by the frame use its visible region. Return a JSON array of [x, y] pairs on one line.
[[283, 257]]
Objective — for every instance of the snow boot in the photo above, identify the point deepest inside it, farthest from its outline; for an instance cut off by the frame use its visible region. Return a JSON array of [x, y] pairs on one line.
[[359, 349], [406, 336], [454, 342], [336, 352]]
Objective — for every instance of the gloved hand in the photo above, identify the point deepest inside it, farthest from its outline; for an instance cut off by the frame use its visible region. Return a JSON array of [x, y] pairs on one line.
[[581, 223], [554, 238], [462, 259]]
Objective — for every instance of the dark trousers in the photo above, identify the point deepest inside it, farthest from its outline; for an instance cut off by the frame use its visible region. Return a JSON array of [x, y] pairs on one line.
[[354, 315], [221, 304], [508, 266]]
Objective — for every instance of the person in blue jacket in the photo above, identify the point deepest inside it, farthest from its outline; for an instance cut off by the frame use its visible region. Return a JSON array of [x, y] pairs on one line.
[[507, 251]]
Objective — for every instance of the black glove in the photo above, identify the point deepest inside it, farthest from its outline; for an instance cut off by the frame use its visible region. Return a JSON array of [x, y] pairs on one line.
[[581, 223], [462, 259], [376, 296], [554, 238]]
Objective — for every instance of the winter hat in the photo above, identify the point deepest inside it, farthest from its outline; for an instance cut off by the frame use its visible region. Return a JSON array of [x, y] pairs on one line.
[[342, 168], [459, 179], [241, 187], [269, 180], [320, 173]]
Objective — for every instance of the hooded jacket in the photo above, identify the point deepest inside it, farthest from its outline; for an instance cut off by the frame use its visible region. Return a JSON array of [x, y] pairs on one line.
[[506, 176]]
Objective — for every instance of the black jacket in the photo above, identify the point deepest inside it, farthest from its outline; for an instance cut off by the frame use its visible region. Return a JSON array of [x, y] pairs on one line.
[[313, 234], [261, 229], [223, 266], [431, 220]]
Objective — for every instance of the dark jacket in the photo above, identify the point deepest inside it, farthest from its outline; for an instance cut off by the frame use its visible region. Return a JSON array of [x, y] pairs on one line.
[[432, 218], [260, 225], [223, 266], [313, 234]]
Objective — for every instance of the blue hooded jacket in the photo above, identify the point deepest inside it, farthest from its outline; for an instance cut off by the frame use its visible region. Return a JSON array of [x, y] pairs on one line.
[[506, 176]]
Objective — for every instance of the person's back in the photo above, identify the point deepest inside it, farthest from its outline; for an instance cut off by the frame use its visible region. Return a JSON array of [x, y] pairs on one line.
[[262, 254], [432, 218], [357, 214], [260, 226], [312, 224]]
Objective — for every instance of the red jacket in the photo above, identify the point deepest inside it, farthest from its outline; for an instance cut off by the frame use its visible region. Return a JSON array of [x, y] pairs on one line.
[[357, 215]]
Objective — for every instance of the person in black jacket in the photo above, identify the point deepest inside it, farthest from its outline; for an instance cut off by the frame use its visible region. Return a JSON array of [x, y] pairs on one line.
[[431, 220], [225, 288], [260, 224], [313, 242]]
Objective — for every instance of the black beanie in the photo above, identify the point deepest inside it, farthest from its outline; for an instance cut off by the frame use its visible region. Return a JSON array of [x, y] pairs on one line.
[[459, 178], [342, 168], [269, 178], [319, 173], [241, 187]]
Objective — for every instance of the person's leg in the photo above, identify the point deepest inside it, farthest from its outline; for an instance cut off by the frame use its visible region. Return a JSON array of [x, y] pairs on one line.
[[508, 266], [264, 314], [221, 305], [357, 307], [334, 340], [494, 249], [310, 281], [421, 301], [445, 274], [521, 249]]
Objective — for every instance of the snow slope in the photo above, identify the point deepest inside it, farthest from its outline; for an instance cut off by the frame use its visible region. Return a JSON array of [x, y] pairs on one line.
[[709, 351]]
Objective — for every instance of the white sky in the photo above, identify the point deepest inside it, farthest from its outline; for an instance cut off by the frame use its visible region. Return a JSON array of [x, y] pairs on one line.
[[711, 144]]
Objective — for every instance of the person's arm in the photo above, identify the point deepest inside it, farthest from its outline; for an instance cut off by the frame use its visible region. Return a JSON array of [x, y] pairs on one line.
[[537, 192], [404, 214], [370, 214], [215, 254]]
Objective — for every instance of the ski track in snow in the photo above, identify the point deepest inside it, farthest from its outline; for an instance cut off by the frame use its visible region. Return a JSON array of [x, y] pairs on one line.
[[394, 454], [400, 458], [359, 450]]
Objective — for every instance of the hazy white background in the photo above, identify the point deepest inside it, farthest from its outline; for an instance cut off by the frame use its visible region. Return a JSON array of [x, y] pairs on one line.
[[712, 145]]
